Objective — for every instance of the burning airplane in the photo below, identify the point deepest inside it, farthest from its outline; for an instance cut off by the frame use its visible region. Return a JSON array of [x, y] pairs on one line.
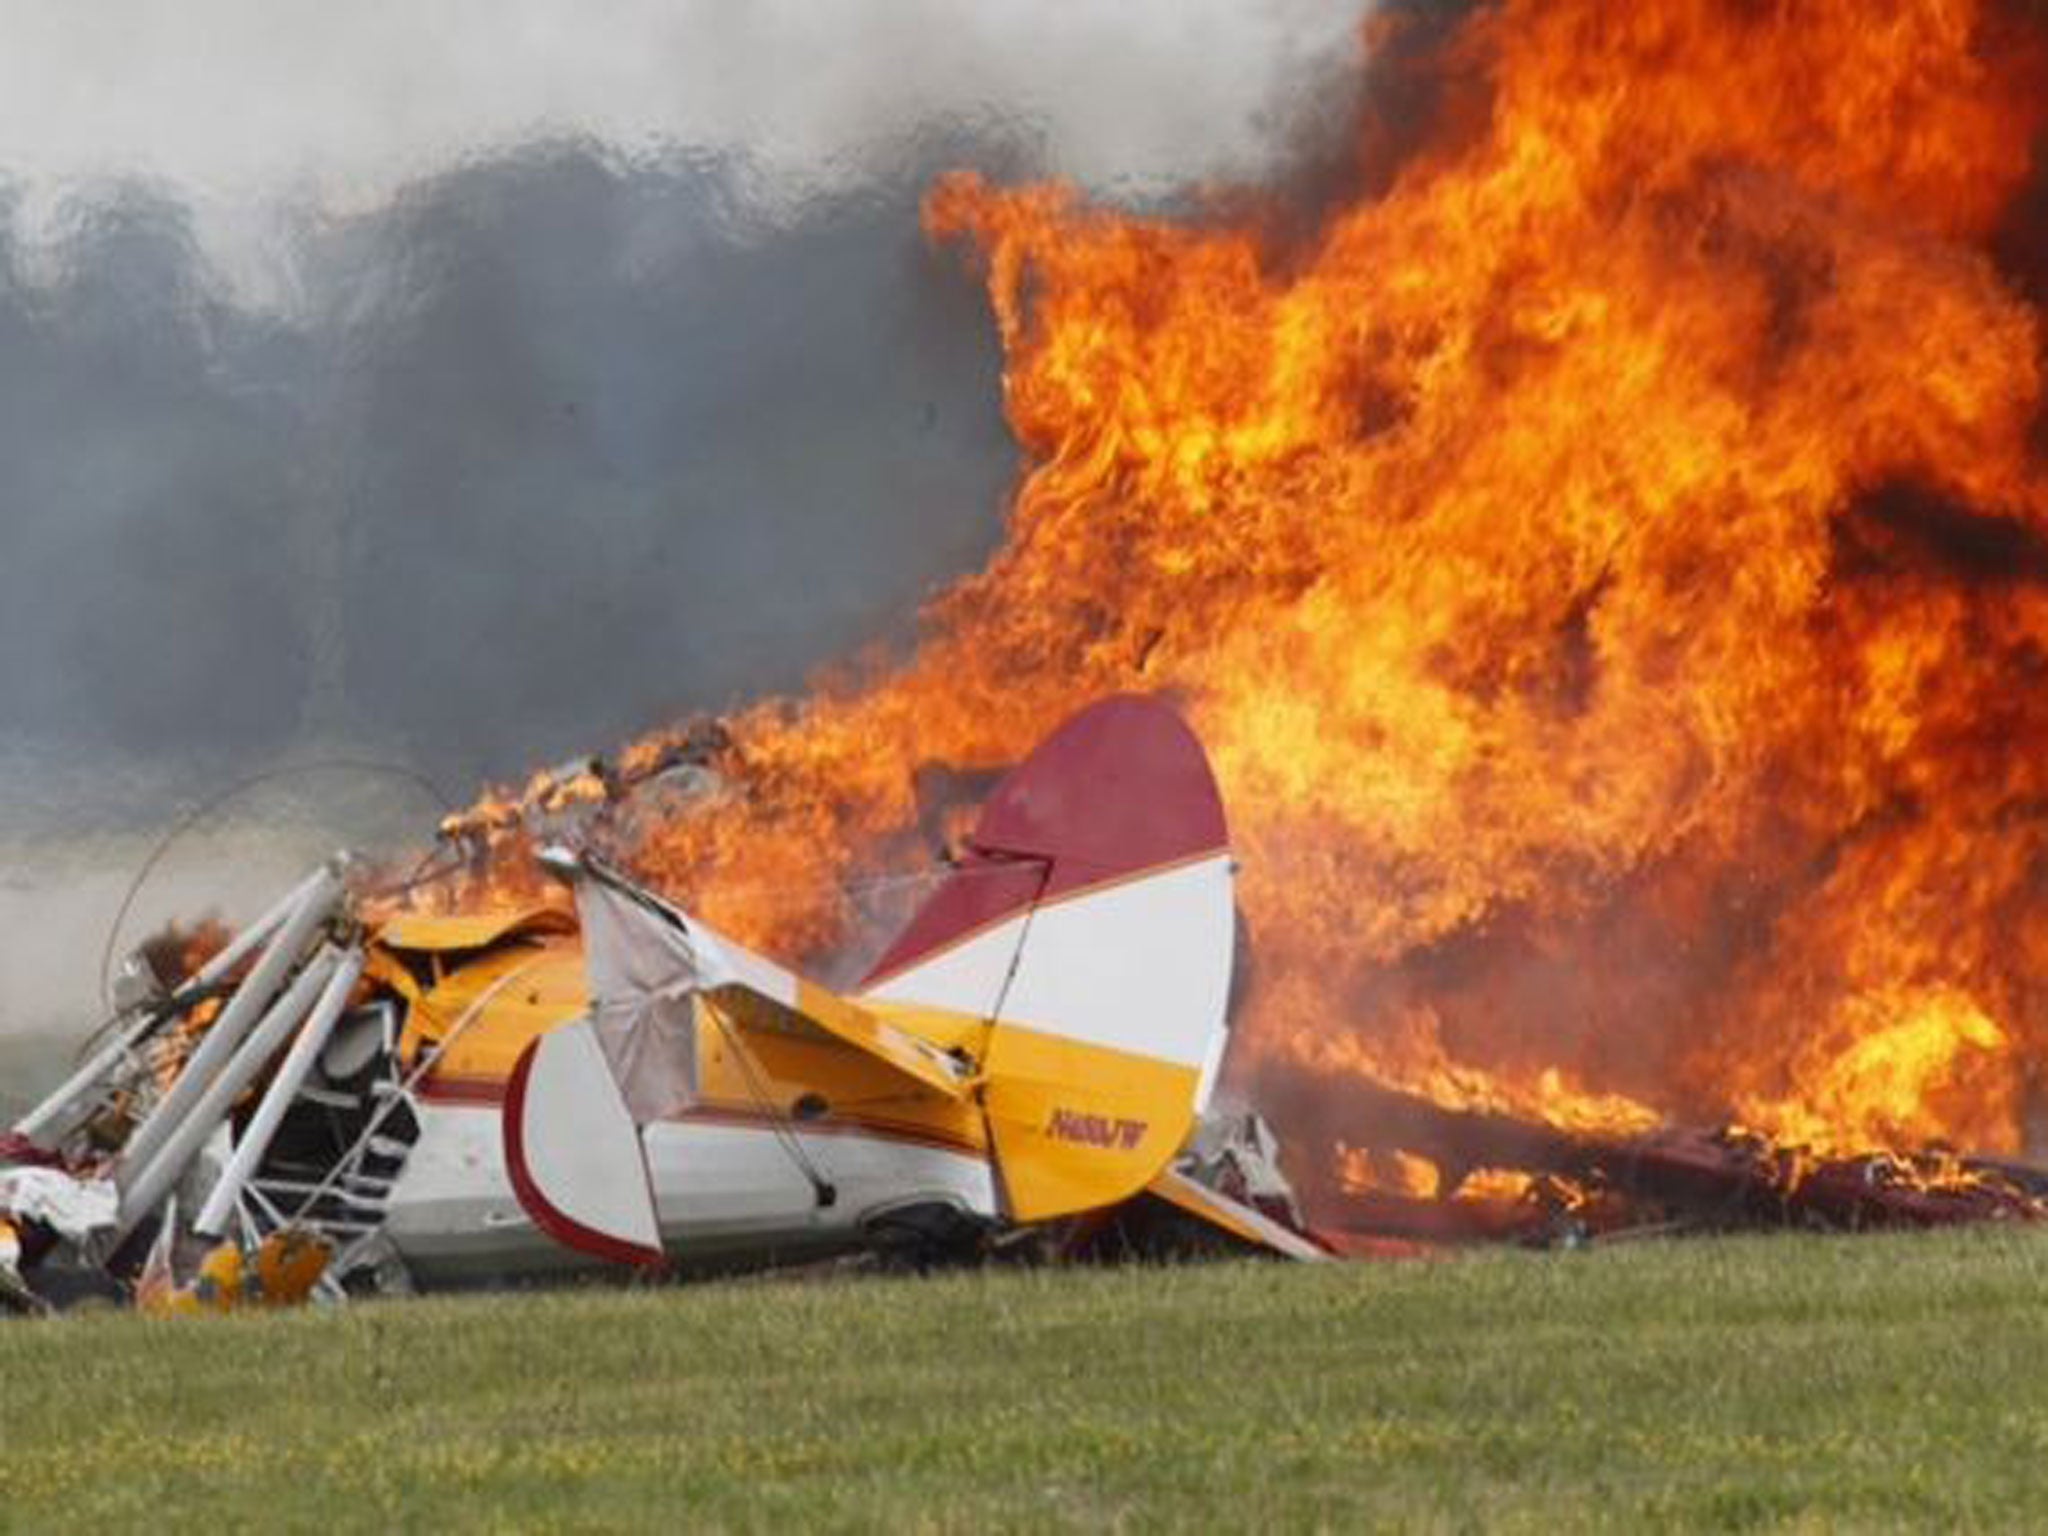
[[498, 1095], [1604, 554]]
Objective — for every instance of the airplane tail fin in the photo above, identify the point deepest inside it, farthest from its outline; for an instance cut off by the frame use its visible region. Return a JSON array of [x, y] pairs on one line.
[[1091, 921]]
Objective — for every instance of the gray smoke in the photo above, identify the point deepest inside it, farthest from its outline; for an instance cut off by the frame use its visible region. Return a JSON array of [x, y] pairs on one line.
[[515, 458], [148, 433], [560, 447], [617, 452], [564, 446]]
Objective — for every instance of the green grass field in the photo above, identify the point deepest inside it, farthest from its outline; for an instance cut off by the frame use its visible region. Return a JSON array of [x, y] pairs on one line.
[[1797, 1383]]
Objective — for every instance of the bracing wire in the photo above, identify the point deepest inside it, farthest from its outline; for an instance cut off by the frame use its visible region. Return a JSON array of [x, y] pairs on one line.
[[233, 791], [784, 1127]]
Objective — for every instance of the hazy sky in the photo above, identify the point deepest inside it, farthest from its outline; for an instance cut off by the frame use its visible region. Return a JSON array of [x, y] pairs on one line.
[[239, 102]]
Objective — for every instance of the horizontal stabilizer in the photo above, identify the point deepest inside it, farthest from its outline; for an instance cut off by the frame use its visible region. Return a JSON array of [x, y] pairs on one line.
[[1245, 1222], [815, 1010]]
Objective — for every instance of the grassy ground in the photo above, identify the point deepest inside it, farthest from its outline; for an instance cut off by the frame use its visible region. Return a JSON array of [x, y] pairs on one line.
[[1742, 1384]]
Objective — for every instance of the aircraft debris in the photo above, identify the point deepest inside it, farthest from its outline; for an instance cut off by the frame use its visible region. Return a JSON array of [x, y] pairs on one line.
[[354, 1094], [361, 1092], [1566, 1186]]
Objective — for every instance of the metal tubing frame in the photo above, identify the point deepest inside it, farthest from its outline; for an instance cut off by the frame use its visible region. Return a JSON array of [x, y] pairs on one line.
[[284, 1087], [62, 1109], [157, 1178], [224, 1036]]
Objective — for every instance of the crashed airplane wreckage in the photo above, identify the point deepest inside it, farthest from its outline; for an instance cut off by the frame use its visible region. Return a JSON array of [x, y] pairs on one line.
[[344, 1099], [334, 1105], [1484, 1176]]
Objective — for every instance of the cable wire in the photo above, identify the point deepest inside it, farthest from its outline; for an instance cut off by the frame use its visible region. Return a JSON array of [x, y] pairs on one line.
[[207, 807]]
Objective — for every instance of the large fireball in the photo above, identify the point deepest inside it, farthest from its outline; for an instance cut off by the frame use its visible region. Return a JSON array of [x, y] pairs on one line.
[[1608, 564]]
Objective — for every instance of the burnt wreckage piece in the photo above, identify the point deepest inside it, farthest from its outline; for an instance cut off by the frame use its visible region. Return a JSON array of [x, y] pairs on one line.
[[1583, 1183]]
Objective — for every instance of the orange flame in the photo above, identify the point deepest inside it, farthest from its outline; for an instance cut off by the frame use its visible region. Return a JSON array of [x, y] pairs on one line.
[[1402, 1173], [1895, 1071], [1608, 565]]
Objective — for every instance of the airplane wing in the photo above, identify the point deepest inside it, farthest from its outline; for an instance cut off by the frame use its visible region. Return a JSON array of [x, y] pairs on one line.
[[646, 957], [581, 1092]]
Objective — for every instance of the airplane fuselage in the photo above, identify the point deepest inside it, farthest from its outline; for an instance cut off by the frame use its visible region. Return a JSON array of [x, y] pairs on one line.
[[730, 1191]]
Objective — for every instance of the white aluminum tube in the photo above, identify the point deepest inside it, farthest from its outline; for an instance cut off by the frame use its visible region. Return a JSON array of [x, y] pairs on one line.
[[243, 943], [59, 1113], [226, 1032], [147, 1186], [277, 1098]]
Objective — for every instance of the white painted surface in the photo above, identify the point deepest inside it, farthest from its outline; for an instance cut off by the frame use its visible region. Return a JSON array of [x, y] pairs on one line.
[[277, 1098], [581, 1148], [1142, 966], [224, 1037], [723, 1193], [143, 1185]]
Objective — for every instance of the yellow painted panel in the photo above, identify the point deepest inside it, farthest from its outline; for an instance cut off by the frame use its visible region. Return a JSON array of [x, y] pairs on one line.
[[1246, 1223], [1079, 1126], [908, 1053], [849, 1087], [949, 1031], [536, 989], [430, 932]]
